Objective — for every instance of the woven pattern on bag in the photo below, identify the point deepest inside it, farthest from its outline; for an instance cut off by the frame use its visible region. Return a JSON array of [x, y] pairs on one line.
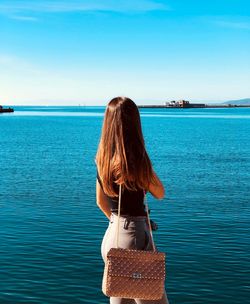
[[134, 274]]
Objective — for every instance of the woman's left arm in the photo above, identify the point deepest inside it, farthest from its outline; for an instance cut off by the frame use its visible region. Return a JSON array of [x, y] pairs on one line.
[[102, 201]]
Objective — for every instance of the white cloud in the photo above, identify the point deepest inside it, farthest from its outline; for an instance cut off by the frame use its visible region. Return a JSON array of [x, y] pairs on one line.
[[57, 6], [233, 24], [24, 18], [11, 62]]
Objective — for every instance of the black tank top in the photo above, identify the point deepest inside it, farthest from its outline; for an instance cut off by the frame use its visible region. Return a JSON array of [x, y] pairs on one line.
[[131, 201]]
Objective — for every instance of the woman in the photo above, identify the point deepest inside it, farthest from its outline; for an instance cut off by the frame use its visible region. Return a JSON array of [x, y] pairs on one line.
[[122, 160]]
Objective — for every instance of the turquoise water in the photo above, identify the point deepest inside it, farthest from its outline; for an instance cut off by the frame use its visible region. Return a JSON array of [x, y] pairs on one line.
[[51, 228]]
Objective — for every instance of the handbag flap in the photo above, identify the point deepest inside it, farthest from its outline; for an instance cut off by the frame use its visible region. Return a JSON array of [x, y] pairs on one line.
[[137, 264]]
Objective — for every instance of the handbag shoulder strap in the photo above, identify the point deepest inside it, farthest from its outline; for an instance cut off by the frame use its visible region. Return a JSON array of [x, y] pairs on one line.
[[149, 222], [119, 214]]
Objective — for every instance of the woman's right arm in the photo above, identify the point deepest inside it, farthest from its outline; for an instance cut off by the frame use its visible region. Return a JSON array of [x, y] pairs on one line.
[[102, 201], [157, 188]]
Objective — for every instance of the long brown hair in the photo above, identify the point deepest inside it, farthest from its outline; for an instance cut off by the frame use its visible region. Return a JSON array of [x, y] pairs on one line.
[[121, 157]]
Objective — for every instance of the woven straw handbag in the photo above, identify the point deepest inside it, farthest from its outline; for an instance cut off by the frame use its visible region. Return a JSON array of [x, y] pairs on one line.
[[134, 274]]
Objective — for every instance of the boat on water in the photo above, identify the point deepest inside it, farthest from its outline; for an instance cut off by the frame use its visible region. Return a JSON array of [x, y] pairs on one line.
[[6, 110]]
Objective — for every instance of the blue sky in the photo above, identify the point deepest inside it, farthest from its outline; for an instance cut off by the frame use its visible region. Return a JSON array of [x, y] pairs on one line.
[[86, 52]]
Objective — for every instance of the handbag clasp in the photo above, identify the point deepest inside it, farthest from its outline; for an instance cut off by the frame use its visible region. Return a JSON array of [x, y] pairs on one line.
[[136, 275]]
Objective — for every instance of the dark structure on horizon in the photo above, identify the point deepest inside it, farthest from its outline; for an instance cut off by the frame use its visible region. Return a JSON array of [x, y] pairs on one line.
[[7, 110], [184, 104]]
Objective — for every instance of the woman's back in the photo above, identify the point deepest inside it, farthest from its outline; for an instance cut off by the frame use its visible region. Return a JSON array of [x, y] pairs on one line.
[[132, 201]]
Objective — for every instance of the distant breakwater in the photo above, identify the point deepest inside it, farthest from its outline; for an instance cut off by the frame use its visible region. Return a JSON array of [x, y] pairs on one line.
[[193, 106]]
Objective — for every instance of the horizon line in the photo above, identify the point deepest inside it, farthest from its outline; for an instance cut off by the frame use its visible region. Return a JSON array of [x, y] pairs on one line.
[[140, 103], [99, 105]]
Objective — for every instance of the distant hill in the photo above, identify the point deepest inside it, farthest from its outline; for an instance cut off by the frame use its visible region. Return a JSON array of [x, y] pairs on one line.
[[245, 101]]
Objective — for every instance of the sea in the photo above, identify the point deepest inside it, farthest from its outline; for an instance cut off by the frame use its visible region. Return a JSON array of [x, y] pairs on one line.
[[51, 227]]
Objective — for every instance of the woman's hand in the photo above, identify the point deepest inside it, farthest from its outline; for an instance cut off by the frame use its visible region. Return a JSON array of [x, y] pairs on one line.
[[154, 226]]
